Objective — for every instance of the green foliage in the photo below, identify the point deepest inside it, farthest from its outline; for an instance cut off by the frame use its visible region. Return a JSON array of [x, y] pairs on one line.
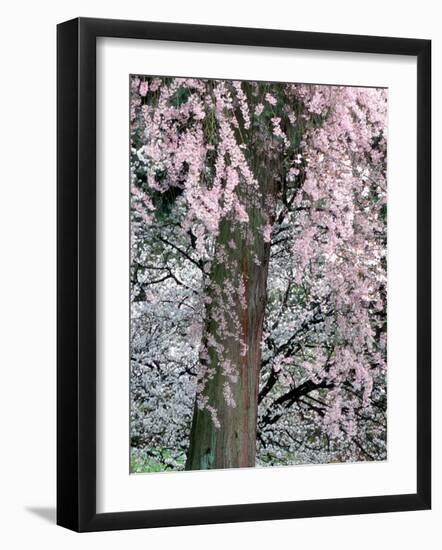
[[270, 459], [180, 96], [164, 202], [154, 460]]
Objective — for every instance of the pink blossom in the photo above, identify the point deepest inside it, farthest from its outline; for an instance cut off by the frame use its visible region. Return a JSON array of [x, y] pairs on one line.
[[144, 87], [267, 231], [259, 109], [270, 99]]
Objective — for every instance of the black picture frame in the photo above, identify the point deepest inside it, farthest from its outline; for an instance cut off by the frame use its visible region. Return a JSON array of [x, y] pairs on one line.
[[76, 274]]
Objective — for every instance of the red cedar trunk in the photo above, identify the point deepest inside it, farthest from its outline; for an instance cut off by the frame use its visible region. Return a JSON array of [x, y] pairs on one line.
[[233, 444]]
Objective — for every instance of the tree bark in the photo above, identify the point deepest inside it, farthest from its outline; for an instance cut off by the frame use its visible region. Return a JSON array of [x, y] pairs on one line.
[[241, 254]]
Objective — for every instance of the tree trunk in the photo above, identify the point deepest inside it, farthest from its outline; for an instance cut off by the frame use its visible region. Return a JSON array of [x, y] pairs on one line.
[[236, 300]]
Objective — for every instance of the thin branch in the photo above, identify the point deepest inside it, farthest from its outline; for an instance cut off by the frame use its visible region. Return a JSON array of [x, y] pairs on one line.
[[182, 252]]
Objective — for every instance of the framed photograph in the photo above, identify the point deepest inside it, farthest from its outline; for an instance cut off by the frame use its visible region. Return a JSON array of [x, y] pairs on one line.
[[243, 274]]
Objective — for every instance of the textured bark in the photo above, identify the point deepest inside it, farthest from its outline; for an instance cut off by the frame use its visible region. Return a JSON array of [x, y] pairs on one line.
[[233, 444]]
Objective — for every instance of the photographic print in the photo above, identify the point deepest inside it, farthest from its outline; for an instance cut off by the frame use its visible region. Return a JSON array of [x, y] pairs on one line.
[[258, 274]]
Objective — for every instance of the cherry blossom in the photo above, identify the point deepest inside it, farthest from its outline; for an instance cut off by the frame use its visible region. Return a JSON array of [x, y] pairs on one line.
[[240, 189]]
